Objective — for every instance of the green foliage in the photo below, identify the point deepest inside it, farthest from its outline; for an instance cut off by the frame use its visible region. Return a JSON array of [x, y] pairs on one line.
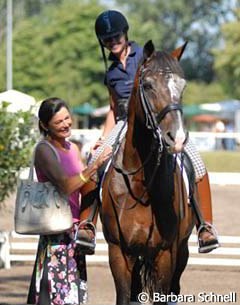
[[56, 53], [169, 23], [200, 92], [16, 140], [227, 62]]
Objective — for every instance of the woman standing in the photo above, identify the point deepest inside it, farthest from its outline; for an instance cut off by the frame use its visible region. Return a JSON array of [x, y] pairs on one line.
[[59, 275]]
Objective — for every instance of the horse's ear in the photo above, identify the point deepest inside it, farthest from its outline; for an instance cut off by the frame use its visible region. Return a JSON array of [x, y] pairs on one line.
[[148, 49], [179, 51]]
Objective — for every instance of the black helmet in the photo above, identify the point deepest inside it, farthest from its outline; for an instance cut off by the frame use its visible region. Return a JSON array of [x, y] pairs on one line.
[[110, 23]]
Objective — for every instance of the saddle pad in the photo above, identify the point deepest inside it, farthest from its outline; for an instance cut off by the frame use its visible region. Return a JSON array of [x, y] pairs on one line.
[[184, 175]]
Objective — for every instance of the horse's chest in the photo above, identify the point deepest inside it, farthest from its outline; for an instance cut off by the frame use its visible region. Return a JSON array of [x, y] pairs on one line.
[[140, 232]]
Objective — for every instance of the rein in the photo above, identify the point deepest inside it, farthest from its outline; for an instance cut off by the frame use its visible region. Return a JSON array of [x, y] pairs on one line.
[[126, 179]]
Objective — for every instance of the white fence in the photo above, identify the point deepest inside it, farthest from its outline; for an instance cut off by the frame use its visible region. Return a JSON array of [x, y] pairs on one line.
[[204, 141], [23, 248], [17, 248], [209, 141]]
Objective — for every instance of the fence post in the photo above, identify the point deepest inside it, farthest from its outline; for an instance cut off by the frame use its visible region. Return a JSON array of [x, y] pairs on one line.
[[5, 250]]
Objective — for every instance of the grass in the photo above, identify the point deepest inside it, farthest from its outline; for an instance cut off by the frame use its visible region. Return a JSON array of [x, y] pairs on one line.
[[222, 161]]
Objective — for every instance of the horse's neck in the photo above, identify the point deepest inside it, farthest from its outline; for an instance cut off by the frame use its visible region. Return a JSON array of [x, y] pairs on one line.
[[137, 144], [138, 137]]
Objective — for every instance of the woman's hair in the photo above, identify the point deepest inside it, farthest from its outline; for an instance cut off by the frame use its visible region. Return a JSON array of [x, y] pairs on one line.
[[48, 108]]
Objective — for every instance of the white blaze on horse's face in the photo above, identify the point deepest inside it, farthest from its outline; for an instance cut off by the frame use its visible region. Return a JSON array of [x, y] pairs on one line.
[[176, 85], [180, 136]]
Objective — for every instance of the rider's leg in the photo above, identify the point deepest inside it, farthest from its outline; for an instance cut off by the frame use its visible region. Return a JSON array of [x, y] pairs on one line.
[[207, 237], [86, 238], [90, 193]]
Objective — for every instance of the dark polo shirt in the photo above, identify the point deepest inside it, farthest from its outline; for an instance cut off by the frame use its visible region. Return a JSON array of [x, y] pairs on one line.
[[121, 80]]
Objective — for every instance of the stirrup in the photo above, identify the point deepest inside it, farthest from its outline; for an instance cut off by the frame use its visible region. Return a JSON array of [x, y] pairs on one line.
[[86, 245], [212, 244], [87, 224]]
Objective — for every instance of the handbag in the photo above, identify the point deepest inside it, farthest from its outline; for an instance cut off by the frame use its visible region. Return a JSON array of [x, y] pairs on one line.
[[39, 207]]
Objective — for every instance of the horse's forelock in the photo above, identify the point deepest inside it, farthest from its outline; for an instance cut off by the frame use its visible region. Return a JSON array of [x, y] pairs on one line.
[[164, 62]]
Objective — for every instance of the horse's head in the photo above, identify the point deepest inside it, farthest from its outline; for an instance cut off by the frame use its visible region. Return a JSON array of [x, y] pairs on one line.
[[161, 84]]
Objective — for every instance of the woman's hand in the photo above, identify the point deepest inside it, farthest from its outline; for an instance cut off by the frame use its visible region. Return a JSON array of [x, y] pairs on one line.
[[99, 142], [105, 155]]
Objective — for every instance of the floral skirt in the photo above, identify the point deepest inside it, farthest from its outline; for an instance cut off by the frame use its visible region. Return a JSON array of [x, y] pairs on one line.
[[59, 275]]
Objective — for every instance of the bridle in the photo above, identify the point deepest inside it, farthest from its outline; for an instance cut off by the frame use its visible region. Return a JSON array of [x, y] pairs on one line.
[[152, 121]]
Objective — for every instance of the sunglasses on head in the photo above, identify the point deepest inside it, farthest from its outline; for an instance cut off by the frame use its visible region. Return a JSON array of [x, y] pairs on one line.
[[116, 37]]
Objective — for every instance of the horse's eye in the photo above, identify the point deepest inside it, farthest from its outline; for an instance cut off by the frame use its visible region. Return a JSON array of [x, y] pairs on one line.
[[147, 85], [168, 76]]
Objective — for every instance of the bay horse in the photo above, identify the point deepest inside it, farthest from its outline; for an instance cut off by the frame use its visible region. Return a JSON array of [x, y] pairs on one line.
[[145, 213]]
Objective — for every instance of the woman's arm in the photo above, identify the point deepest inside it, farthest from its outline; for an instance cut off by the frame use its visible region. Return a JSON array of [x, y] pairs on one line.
[[46, 160]]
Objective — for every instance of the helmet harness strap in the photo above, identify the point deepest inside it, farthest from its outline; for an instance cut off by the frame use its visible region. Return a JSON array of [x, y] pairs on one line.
[[104, 55]]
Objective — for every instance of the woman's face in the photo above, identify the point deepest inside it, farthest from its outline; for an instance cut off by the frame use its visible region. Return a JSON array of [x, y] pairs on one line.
[[115, 44], [60, 124]]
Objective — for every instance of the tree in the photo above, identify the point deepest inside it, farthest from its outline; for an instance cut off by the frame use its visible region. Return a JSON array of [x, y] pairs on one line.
[[200, 92], [16, 137], [21, 10], [169, 23], [227, 63], [56, 53]]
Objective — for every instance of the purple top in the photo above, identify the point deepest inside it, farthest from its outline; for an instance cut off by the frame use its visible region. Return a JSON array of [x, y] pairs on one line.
[[72, 166]]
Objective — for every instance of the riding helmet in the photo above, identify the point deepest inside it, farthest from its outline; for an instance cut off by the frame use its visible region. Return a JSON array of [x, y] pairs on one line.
[[110, 23]]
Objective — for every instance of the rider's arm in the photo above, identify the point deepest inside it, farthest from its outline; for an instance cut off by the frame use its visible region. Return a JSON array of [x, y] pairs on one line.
[[110, 118], [109, 123]]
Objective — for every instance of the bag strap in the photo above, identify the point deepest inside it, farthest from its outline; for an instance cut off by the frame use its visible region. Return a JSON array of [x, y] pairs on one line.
[[30, 176]]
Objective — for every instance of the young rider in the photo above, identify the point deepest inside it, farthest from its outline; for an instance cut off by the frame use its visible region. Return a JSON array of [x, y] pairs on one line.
[[111, 29]]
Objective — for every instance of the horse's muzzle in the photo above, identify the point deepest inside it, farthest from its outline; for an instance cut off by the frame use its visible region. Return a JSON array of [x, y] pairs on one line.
[[175, 144]]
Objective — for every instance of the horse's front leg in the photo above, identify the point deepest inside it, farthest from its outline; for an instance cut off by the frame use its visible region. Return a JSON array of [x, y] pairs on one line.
[[164, 264], [121, 268], [182, 258]]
